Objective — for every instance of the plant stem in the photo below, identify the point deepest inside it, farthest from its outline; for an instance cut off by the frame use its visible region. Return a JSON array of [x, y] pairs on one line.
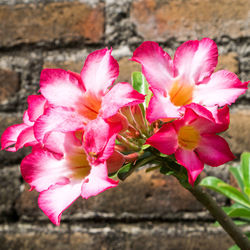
[[225, 221]]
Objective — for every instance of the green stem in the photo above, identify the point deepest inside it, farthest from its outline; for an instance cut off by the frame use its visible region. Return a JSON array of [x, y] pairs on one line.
[[225, 221]]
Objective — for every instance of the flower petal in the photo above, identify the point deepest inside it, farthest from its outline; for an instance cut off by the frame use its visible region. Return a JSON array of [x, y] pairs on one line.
[[99, 71], [206, 122], [42, 168], [58, 198], [36, 106], [60, 87], [156, 64], [161, 107], [57, 119], [196, 60], [99, 139], [122, 94], [97, 181], [214, 150], [223, 87], [10, 135], [165, 140], [191, 162], [26, 138]]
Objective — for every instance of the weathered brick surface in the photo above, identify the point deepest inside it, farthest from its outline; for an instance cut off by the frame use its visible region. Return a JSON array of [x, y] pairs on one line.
[[9, 84], [238, 133], [229, 62], [148, 210], [114, 236], [9, 191], [150, 194], [126, 69], [52, 22], [162, 19]]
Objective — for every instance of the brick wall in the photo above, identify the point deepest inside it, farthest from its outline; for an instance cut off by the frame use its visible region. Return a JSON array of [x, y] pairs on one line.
[[148, 211]]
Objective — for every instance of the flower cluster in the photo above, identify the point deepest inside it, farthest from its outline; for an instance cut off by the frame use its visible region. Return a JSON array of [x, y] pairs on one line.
[[83, 127]]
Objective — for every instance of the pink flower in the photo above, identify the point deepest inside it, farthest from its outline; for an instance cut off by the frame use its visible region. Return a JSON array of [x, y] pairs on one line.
[[193, 139], [79, 99], [62, 176], [188, 78], [23, 134]]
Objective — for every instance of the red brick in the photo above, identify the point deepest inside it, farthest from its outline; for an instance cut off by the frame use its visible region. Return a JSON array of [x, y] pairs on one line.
[[163, 19], [65, 22]]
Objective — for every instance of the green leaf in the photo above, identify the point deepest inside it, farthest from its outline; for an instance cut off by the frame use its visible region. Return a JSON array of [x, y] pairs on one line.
[[234, 247], [245, 167], [236, 172], [240, 212], [140, 84], [145, 146], [225, 189], [124, 171]]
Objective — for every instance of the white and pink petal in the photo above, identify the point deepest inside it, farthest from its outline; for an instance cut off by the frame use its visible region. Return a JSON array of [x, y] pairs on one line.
[[42, 168], [58, 198], [60, 87], [157, 65], [99, 72], [97, 181], [222, 88], [121, 95]]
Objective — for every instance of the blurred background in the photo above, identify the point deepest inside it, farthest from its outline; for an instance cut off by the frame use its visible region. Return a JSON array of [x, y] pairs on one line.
[[148, 210]]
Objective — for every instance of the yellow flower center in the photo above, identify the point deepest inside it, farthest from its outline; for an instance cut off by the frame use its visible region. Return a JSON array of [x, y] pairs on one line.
[[188, 137], [181, 94], [89, 106], [78, 164]]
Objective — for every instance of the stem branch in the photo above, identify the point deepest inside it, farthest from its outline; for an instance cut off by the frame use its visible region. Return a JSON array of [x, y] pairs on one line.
[[225, 221]]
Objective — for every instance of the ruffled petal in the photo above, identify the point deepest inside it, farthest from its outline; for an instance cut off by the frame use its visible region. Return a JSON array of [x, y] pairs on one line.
[[10, 135], [121, 95], [165, 140], [156, 64], [36, 106], [99, 72], [97, 181], [223, 87], [58, 198], [191, 162], [196, 60], [26, 138], [214, 150], [42, 168], [208, 123], [60, 87], [99, 139], [160, 107], [57, 119]]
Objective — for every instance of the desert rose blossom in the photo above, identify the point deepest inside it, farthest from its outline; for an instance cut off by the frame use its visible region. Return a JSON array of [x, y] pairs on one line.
[[19, 135], [187, 78], [193, 139], [79, 99], [62, 176]]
